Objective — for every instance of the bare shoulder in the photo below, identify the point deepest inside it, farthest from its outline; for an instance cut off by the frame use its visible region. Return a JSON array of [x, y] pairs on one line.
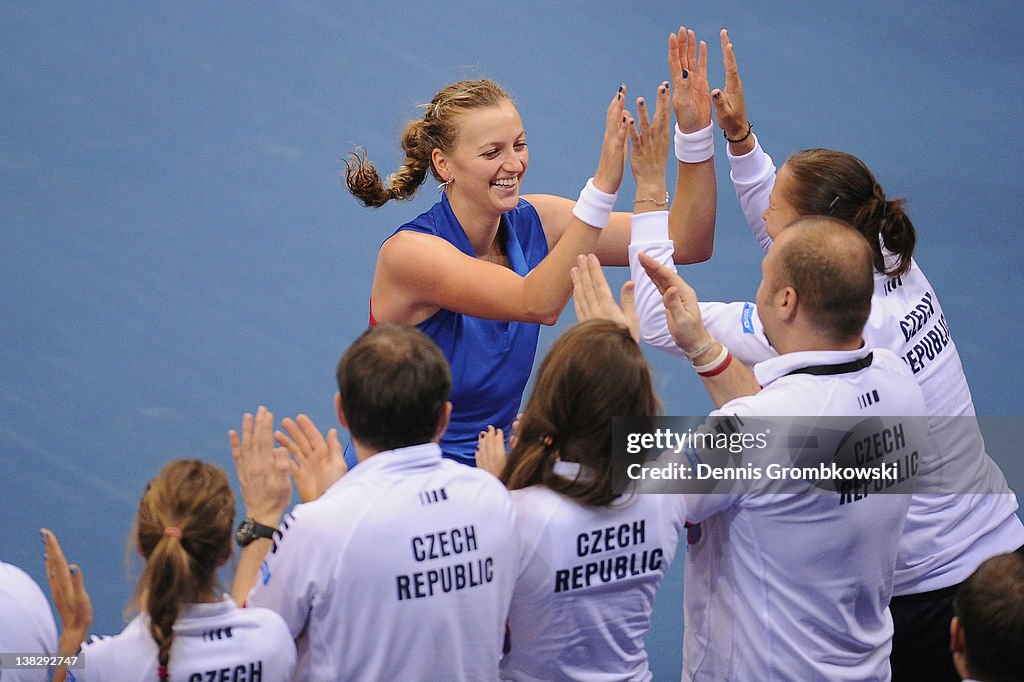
[[410, 252]]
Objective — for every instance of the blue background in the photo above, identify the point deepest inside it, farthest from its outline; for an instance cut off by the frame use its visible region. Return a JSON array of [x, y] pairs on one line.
[[176, 246]]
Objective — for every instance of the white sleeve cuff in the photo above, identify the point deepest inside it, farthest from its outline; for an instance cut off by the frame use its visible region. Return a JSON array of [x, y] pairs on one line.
[[751, 166], [646, 228]]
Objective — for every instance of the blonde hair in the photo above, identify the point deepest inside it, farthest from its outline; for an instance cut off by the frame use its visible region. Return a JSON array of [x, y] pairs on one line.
[[184, 532], [437, 129]]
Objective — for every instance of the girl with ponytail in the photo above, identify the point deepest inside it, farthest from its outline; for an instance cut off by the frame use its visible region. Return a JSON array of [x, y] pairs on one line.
[[560, 474], [485, 266], [945, 536], [187, 628]]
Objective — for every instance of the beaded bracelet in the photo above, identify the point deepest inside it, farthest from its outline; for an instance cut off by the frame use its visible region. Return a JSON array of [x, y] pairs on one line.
[[649, 200]]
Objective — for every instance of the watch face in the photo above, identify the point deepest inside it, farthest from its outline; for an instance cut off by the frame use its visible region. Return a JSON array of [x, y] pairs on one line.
[[244, 535], [249, 530]]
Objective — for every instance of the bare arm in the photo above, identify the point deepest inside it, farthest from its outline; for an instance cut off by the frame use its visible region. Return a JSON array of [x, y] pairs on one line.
[[692, 216], [418, 273]]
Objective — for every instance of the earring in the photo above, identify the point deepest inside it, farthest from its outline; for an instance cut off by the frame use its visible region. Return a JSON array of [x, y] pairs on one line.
[[444, 185]]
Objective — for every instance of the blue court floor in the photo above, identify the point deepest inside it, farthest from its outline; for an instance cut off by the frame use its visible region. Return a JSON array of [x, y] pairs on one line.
[[176, 246]]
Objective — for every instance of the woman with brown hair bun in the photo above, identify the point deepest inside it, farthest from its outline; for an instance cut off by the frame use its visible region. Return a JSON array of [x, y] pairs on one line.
[[592, 559], [485, 266], [187, 629]]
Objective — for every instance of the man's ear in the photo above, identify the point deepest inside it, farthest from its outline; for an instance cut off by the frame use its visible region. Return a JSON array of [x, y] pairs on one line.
[[339, 410], [786, 300], [442, 425], [956, 636]]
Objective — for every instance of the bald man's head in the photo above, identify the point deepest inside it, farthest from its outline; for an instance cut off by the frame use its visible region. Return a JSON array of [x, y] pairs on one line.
[[829, 265]]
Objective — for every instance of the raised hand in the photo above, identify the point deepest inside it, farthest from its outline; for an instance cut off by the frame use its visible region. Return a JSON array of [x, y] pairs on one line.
[[688, 66], [490, 451], [613, 147], [316, 463], [67, 588], [593, 300], [683, 312], [730, 106], [263, 470], [650, 140]]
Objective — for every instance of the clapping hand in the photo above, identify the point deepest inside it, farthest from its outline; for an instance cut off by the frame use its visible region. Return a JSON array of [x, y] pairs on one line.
[[263, 470], [490, 451], [613, 147], [67, 588], [593, 300], [316, 462], [730, 105], [689, 69], [649, 139], [681, 305]]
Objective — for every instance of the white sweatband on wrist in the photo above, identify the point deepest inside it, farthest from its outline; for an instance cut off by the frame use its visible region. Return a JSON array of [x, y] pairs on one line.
[[695, 147], [594, 206]]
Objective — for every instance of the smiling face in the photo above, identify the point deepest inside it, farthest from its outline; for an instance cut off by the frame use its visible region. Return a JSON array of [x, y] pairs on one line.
[[780, 213], [488, 161]]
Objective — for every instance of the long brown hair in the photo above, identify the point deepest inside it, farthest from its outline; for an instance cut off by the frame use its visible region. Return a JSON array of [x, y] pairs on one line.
[[830, 183], [593, 373], [184, 533], [437, 129]]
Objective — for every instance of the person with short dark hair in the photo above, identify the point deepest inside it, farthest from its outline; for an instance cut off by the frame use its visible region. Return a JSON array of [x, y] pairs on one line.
[[393, 372], [401, 569], [987, 633]]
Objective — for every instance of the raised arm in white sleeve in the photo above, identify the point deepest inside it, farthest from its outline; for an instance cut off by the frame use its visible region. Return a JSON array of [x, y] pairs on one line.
[[735, 325], [649, 234], [753, 176]]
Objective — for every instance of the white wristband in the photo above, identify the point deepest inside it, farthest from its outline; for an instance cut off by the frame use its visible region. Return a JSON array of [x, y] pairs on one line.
[[695, 147], [594, 206], [714, 364]]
